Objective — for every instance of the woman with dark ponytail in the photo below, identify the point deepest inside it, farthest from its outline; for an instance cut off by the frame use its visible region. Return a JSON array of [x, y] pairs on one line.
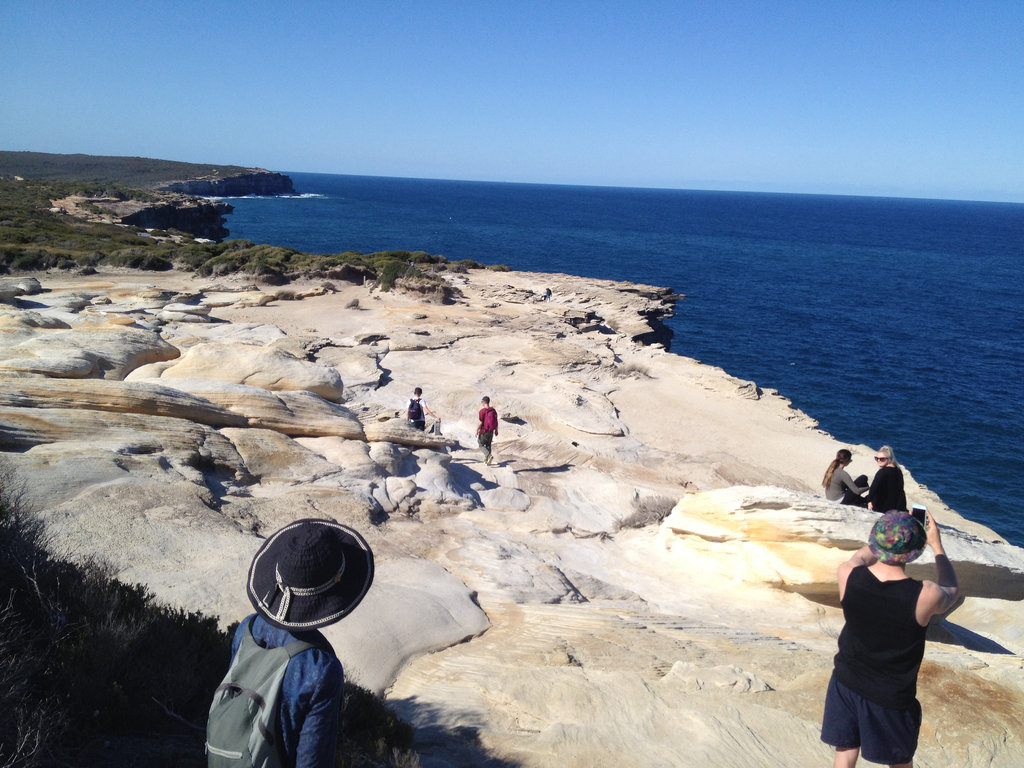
[[838, 484]]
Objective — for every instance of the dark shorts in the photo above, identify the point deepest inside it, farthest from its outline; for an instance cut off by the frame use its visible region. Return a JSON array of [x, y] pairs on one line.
[[883, 735]]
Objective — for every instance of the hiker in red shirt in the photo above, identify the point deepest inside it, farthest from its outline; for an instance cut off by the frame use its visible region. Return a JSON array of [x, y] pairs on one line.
[[487, 428]]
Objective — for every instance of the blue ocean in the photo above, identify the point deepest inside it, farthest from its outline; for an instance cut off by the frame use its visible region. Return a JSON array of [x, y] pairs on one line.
[[889, 321]]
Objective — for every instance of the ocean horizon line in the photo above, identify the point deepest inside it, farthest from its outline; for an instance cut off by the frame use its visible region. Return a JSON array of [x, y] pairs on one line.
[[632, 187]]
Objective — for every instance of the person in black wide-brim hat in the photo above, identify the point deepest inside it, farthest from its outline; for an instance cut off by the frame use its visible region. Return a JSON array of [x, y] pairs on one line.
[[309, 574]]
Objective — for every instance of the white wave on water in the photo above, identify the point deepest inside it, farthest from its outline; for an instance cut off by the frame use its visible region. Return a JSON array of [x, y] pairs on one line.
[[302, 196]]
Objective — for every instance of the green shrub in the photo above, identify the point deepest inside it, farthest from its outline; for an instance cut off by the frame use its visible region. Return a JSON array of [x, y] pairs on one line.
[[95, 672], [373, 735], [422, 257], [30, 259], [30, 235], [137, 258], [388, 270], [649, 510], [189, 257]]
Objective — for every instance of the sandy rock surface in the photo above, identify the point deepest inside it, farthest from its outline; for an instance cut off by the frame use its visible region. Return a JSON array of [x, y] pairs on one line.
[[644, 576]]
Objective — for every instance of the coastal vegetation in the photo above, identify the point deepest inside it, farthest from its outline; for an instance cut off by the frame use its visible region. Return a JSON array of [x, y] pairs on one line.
[[79, 682], [124, 171], [35, 235]]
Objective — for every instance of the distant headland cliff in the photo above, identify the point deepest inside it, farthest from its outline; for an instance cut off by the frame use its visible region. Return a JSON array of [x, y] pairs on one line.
[[256, 182], [172, 188]]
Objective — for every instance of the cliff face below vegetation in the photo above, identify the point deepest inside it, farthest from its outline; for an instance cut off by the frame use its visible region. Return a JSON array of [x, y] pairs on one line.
[[181, 208], [173, 187], [259, 182], [645, 576], [201, 218]]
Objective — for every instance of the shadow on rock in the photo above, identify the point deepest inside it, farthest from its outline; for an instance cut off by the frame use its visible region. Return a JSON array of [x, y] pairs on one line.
[[558, 468], [979, 579], [953, 634], [442, 740]]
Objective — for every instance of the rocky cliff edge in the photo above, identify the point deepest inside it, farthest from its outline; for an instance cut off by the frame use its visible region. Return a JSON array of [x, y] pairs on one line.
[[645, 575]]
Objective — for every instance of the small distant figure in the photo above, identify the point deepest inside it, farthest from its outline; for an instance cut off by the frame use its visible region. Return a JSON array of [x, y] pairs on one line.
[[280, 701], [417, 408], [886, 491], [487, 429], [547, 294], [838, 484], [871, 706]]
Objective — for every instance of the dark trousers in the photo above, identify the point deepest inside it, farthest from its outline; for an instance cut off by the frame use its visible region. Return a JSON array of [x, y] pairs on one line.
[[849, 497]]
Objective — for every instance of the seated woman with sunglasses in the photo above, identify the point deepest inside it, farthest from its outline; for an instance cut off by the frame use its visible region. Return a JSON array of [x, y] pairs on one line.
[[838, 484], [886, 491]]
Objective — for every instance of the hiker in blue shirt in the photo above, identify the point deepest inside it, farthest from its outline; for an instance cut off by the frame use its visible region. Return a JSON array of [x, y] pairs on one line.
[[307, 575]]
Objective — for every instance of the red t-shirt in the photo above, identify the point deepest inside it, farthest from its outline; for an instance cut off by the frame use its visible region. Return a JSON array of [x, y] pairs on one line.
[[488, 420]]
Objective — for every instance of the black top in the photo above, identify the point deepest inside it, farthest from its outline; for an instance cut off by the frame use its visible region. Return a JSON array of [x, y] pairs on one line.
[[886, 493], [881, 646]]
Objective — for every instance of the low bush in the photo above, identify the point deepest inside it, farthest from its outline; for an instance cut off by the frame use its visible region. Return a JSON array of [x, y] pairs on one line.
[[95, 672], [632, 370], [388, 270], [648, 510], [32, 238], [137, 258]]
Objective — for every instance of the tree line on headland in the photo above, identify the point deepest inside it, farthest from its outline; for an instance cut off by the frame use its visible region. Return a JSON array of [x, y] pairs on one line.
[[101, 169]]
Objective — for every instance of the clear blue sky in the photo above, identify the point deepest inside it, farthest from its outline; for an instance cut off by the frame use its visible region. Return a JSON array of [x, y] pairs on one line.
[[921, 99]]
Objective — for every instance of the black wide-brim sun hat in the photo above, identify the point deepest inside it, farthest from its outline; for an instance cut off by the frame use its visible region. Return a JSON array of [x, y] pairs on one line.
[[309, 574]]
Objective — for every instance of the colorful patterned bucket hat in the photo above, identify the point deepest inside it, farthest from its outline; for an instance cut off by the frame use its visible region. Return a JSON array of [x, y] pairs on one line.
[[897, 538]]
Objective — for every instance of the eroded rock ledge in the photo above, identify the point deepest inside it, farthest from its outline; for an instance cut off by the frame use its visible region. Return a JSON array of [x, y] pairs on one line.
[[644, 577], [179, 204]]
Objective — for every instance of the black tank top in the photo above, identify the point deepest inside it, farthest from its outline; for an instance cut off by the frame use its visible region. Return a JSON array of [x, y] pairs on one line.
[[881, 646]]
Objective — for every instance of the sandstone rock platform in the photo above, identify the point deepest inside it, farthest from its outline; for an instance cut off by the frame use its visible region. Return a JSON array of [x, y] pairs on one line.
[[645, 575]]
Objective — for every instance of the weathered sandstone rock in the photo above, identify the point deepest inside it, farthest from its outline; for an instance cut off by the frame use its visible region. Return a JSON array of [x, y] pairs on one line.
[[644, 576], [90, 350]]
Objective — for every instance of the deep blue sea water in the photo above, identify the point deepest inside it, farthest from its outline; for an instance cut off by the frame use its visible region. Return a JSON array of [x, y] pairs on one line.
[[890, 321]]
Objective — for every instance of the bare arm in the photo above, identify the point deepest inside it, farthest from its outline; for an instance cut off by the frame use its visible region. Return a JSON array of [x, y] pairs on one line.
[[863, 556], [940, 595]]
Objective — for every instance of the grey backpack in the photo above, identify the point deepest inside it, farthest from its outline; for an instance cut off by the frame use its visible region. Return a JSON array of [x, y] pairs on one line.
[[242, 727]]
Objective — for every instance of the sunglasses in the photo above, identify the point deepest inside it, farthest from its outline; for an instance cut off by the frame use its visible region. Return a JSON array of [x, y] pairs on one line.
[[881, 458]]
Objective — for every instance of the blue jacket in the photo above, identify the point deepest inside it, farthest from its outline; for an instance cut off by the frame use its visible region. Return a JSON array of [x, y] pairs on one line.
[[311, 694]]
